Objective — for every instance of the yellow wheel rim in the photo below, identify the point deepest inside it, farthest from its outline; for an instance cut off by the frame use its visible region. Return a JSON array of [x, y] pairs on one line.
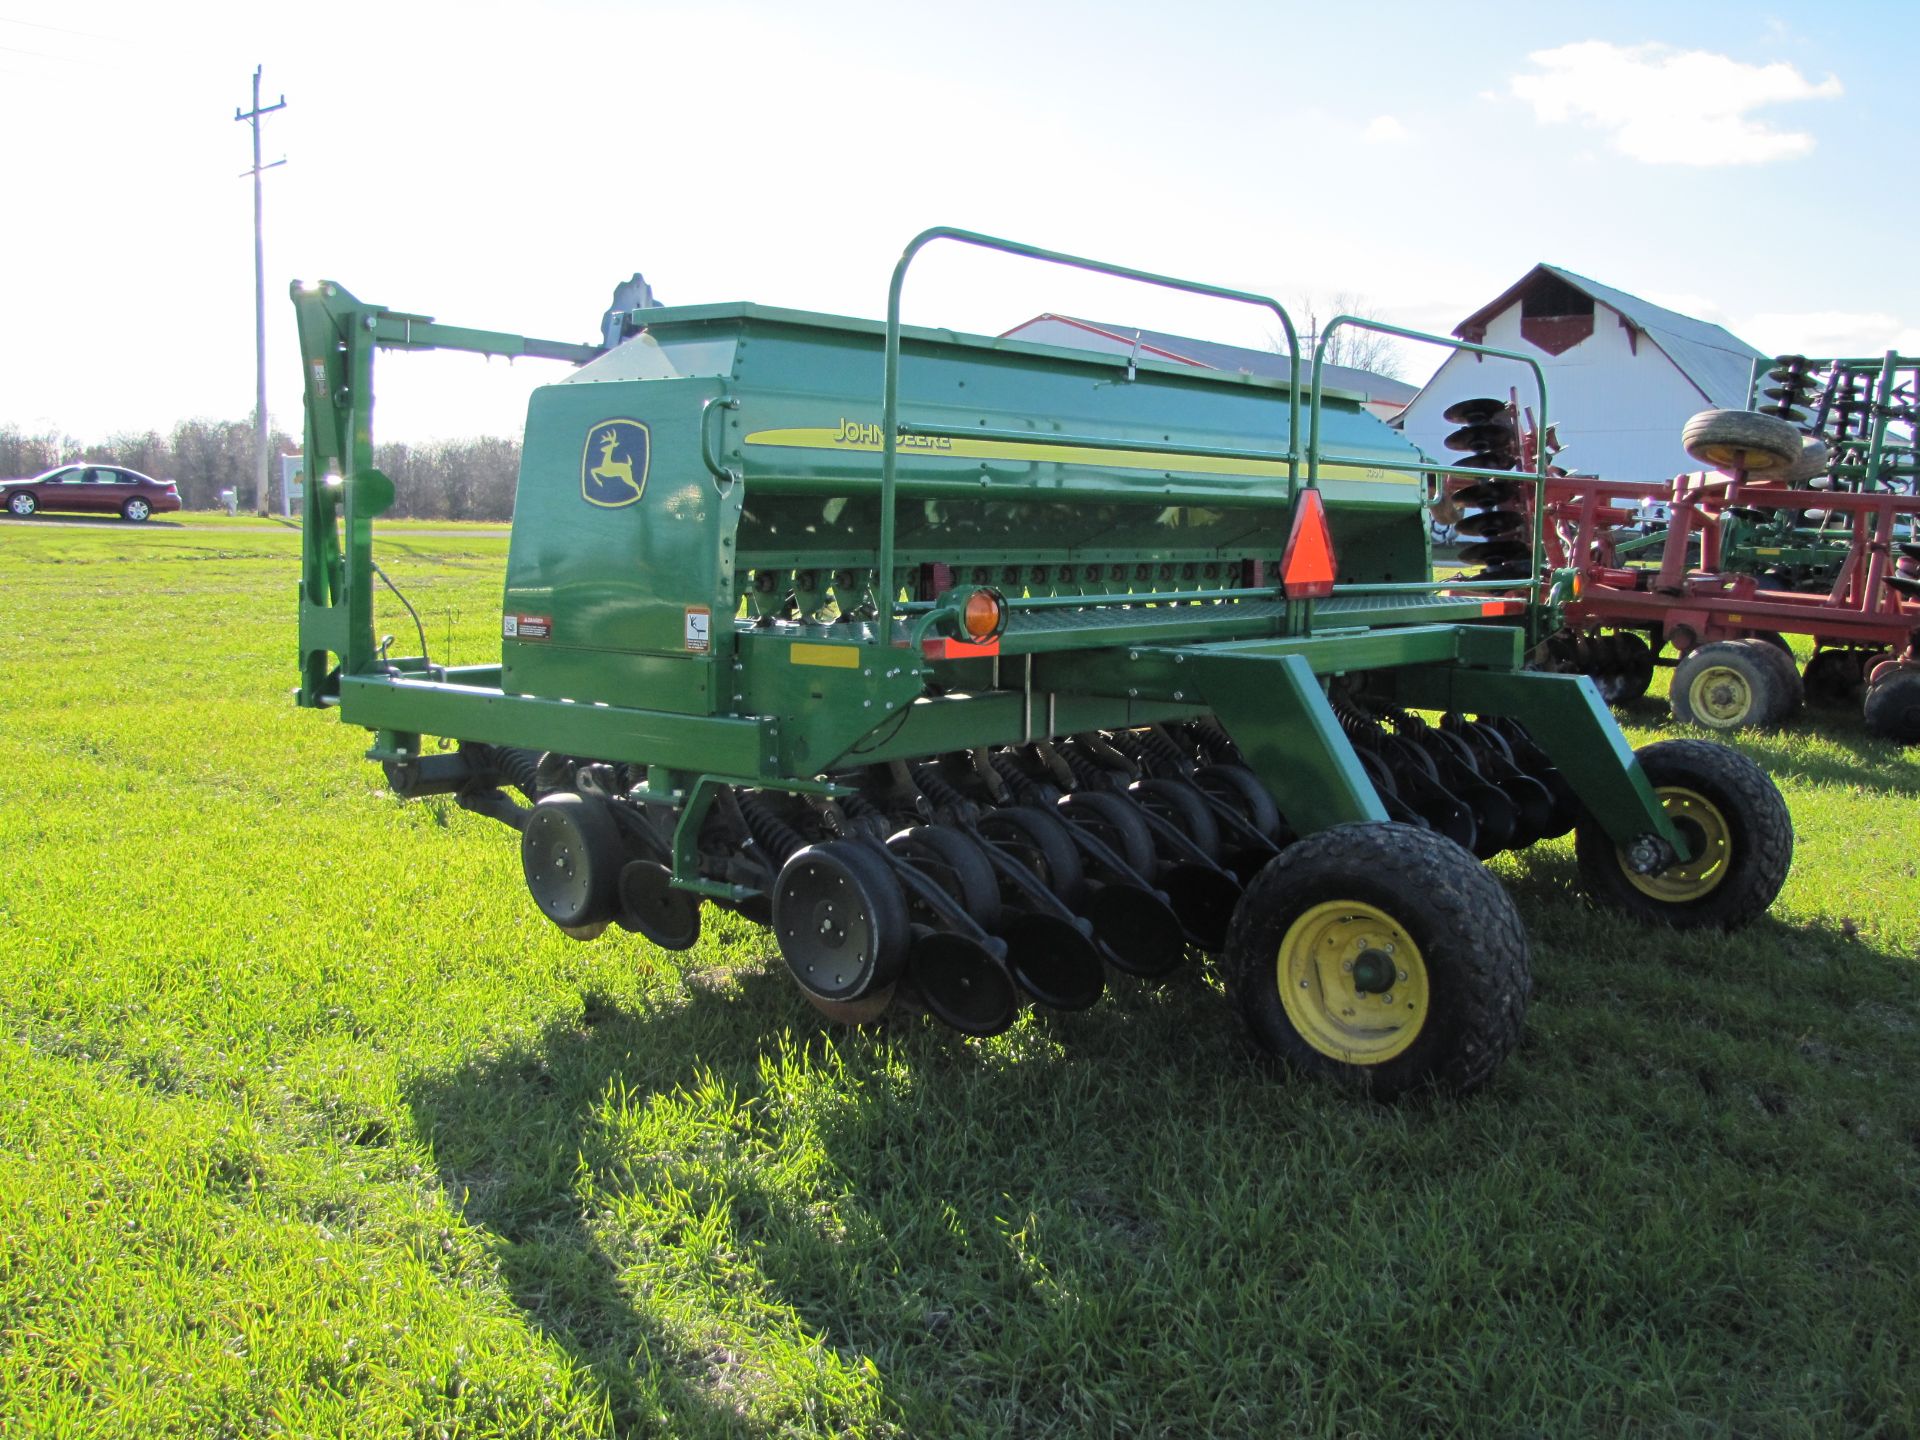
[[1353, 982], [1721, 696], [1705, 828]]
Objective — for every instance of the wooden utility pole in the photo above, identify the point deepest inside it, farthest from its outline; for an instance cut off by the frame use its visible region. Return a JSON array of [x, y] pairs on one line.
[[252, 117]]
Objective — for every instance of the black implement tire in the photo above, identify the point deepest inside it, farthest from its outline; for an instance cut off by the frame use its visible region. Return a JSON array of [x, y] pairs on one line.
[[1327, 908], [23, 503], [1725, 686], [1813, 461], [1835, 677], [1742, 440], [1790, 693], [1738, 822], [1892, 707]]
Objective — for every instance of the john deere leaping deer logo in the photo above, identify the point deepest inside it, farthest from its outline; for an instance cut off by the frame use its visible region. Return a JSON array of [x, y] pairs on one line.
[[613, 467]]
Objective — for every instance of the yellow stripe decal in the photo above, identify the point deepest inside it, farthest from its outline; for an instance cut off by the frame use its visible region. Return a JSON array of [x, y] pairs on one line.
[[859, 439], [838, 657]]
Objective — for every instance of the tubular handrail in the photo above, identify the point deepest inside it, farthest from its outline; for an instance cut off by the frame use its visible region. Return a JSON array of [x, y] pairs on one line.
[[890, 427], [1537, 583]]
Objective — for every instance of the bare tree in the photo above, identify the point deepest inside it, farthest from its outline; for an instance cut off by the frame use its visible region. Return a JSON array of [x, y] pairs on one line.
[[1350, 346]]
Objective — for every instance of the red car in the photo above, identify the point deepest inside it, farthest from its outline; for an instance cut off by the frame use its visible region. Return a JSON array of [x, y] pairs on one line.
[[92, 490]]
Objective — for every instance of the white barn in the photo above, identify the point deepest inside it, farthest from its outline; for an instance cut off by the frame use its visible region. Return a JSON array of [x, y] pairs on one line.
[[1623, 375]]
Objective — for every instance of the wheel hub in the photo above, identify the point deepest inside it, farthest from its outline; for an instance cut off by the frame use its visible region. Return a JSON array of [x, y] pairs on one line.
[[1709, 842], [1373, 972], [1353, 982], [1721, 695]]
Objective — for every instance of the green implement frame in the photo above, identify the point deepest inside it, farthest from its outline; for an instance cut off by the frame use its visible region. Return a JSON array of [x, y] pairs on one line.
[[787, 706]]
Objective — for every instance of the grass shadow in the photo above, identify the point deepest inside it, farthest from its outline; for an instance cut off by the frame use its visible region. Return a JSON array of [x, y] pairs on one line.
[[508, 1132], [1863, 762], [552, 1147]]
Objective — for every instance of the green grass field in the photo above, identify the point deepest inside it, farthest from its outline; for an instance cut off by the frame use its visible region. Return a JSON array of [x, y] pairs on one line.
[[313, 1126]]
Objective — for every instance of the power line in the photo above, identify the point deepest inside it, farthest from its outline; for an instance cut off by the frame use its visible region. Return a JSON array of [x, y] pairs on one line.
[[57, 29], [252, 117]]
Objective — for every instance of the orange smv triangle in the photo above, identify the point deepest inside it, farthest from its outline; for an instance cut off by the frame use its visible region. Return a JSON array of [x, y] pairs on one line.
[[1306, 570]]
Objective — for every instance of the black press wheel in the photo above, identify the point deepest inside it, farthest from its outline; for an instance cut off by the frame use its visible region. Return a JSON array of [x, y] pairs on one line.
[[841, 921], [1892, 707], [1116, 822], [571, 855], [1175, 802], [1039, 840], [136, 510], [23, 504], [650, 906], [1733, 820], [1241, 789], [1382, 955], [1725, 686], [956, 863]]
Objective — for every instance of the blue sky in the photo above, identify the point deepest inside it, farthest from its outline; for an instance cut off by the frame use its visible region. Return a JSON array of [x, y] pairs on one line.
[[503, 165]]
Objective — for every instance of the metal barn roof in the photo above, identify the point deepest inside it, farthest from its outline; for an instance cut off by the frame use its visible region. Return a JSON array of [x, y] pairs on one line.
[[1718, 362], [1213, 355]]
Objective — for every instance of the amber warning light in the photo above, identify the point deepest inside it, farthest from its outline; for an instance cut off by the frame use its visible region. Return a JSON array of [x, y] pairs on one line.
[[1307, 568], [983, 615]]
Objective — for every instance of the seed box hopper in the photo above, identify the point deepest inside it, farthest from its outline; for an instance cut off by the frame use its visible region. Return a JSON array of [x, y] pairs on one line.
[[980, 669]]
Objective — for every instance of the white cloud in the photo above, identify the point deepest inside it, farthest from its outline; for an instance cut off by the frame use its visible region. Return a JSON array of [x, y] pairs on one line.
[[1384, 130], [1827, 333], [1670, 107]]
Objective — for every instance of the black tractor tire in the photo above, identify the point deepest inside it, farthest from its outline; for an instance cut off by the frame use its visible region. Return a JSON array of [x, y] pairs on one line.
[[23, 504], [1742, 440], [1470, 978], [1727, 807], [1725, 686], [1892, 707]]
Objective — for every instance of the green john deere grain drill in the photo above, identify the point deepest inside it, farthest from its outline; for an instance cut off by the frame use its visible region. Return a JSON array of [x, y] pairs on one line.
[[976, 668]]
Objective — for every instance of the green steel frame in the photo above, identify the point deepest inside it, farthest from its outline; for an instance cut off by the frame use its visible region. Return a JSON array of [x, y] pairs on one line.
[[1253, 658]]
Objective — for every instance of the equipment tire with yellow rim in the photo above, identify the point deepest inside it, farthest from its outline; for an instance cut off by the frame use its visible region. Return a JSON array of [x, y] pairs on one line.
[[1791, 693], [1735, 823], [1383, 955], [1727, 685]]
